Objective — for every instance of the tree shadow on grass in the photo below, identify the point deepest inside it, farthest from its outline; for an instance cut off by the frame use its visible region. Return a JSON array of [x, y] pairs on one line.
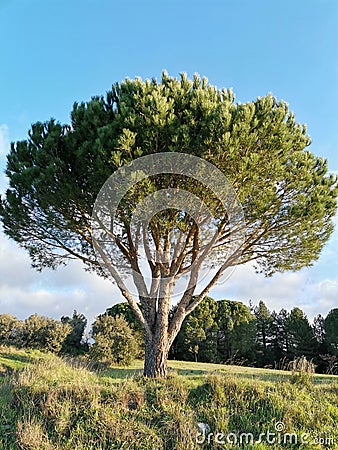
[[16, 357], [15, 360], [120, 373]]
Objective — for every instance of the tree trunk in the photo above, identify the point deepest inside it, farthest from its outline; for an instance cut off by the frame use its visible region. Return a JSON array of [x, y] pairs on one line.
[[157, 343], [156, 356]]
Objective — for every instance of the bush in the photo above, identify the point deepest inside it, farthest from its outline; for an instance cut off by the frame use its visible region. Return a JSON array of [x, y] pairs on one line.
[[37, 331], [43, 333], [9, 328], [115, 341]]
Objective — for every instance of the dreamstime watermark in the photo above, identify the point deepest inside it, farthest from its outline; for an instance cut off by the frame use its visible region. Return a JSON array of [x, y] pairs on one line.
[[130, 199], [277, 436]]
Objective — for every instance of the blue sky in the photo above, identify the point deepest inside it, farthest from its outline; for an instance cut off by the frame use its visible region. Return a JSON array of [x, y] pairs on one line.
[[56, 52]]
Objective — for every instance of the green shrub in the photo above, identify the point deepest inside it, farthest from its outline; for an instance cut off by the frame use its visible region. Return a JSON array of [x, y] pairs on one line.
[[115, 341], [43, 333]]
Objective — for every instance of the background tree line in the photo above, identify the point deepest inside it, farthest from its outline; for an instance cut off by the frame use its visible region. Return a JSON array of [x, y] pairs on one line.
[[44, 333], [223, 331], [230, 332]]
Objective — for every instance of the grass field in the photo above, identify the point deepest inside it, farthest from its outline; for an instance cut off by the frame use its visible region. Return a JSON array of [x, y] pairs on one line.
[[50, 403], [196, 371]]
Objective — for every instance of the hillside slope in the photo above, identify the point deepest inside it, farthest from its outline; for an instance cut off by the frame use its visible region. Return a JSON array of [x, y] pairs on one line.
[[50, 403]]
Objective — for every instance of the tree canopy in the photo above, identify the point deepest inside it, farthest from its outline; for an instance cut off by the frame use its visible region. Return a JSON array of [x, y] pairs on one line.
[[287, 196]]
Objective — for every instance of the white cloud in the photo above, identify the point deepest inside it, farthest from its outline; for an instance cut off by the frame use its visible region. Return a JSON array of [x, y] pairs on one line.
[[308, 289], [278, 291], [24, 291]]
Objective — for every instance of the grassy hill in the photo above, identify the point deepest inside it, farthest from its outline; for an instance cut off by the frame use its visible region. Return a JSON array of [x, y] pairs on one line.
[[50, 403]]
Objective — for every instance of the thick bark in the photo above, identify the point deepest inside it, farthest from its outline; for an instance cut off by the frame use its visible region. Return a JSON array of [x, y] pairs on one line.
[[156, 356], [157, 345]]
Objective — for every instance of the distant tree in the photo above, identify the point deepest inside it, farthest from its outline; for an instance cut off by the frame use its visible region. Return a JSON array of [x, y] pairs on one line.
[[301, 340], [197, 339], [73, 344], [331, 331], [263, 333], [322, 358], [318, 329], [236, 330], [280, 337], [263, 324], [56, 333], [114, 340]]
